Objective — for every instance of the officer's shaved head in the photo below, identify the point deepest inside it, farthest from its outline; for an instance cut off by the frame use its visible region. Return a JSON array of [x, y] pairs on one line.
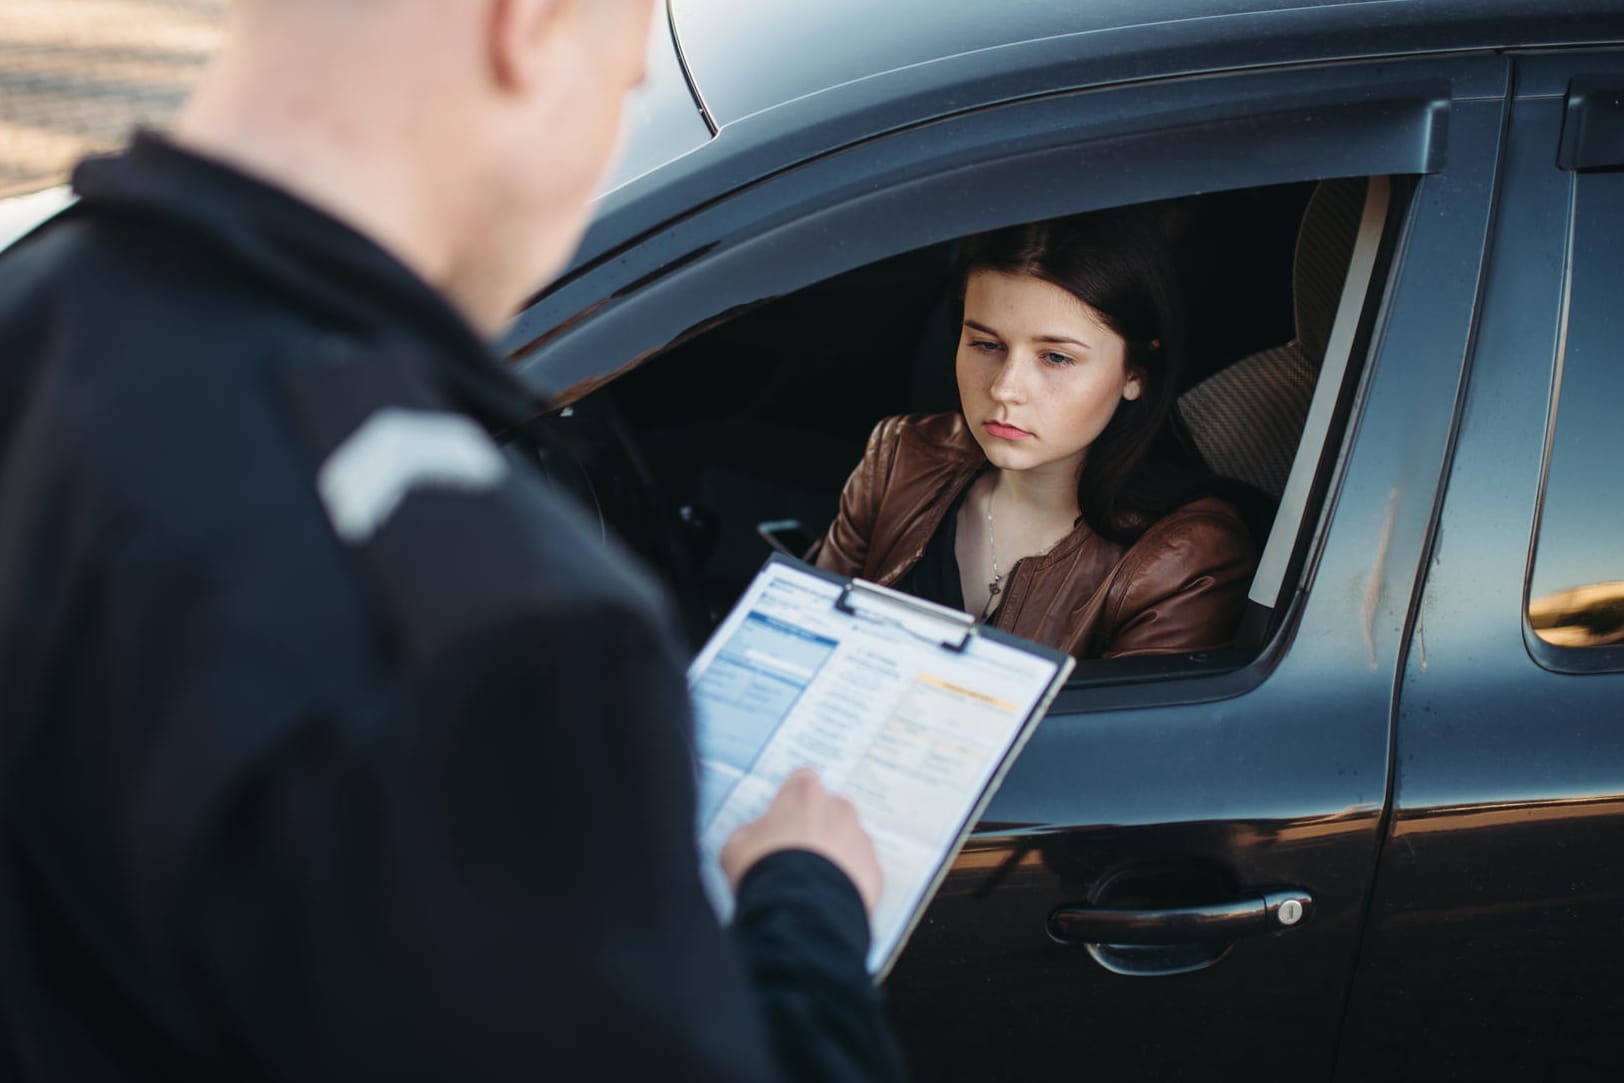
[[467, 136]]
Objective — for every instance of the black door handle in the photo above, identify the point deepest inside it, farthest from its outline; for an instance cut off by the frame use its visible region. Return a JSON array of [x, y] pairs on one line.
[[1212, 923]]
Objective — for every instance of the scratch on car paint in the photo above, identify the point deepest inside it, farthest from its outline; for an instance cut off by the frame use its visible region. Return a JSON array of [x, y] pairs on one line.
[[1373, 589]]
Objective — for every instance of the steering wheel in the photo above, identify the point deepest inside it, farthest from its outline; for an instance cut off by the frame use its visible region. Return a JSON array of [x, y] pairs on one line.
[[587, 452]]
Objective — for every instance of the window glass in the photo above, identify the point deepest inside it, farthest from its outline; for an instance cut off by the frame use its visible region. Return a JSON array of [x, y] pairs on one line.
[[1576, 592]]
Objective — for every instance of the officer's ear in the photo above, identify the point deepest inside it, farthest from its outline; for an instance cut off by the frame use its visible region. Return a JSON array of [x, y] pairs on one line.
[[520, 36]]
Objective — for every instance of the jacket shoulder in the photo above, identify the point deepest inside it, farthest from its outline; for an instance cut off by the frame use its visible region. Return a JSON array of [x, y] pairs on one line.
[[1182, 585], [1201, 538]]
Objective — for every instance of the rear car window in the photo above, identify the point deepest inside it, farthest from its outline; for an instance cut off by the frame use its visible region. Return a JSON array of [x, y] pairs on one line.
[[1576, 588]]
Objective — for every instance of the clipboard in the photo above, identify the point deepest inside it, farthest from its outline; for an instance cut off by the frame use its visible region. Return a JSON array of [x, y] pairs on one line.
[[909, 709]]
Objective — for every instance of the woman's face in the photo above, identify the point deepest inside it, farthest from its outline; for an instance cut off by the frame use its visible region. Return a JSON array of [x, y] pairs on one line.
[[1040, 373]]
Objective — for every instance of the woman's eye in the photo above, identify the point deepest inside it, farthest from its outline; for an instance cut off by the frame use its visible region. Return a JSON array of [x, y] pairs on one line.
[[1053, 358], [985, 345]]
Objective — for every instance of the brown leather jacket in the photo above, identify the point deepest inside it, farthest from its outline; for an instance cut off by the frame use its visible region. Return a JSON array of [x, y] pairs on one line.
[[1180, 587]]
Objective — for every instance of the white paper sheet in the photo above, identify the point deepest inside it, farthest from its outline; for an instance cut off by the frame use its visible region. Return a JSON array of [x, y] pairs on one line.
[[911, 731]]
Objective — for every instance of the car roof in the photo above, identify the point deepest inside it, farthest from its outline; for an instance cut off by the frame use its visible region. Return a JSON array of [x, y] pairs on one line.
[[746, 58]]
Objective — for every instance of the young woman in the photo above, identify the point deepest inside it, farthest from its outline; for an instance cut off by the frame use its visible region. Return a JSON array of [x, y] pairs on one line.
[[1037, 507]]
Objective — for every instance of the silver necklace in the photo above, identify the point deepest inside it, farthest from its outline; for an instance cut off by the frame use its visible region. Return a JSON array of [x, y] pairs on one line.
[[995, 585]]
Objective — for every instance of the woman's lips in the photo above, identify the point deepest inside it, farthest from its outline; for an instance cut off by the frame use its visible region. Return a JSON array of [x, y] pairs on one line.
[[1005, 431]]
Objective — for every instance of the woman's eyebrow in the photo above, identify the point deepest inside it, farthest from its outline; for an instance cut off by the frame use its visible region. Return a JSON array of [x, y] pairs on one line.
[[1063, 338], [984, 329]]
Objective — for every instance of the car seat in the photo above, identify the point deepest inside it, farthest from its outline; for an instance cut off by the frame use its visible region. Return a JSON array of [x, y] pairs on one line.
[[1246, 420]]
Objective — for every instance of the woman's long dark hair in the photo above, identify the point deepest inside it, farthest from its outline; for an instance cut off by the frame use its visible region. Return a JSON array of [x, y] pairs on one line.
[[1118, 265]]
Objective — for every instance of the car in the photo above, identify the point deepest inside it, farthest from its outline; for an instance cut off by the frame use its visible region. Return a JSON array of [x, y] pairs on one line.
[[1378, 838]]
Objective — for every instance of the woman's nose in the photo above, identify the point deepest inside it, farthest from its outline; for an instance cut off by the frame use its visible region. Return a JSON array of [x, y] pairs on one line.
[[1009, 384]]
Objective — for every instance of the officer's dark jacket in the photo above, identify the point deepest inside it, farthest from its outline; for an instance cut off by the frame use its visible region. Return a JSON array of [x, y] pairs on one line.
[[332, 745]]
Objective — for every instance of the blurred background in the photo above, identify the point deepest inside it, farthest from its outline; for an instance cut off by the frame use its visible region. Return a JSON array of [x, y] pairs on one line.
[[77, 75]]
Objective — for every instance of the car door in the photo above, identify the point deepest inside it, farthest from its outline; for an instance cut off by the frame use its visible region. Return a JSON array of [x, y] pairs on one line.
[[1172, 880], [1493, 944]]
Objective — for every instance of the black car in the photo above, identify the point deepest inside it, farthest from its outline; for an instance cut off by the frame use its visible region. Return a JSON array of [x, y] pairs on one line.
[[1382, 837]]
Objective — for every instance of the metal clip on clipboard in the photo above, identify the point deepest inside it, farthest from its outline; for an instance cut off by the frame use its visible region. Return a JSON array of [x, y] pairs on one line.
[[871, 601]]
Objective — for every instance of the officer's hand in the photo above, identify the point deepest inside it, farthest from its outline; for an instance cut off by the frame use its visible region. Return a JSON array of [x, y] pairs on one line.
[[805, 816]]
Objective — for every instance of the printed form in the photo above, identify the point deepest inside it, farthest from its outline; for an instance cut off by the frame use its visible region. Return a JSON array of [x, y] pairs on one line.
[[895, 704]]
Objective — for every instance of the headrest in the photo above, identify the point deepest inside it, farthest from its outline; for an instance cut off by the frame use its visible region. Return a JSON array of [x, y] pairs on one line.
[[1324, 248]]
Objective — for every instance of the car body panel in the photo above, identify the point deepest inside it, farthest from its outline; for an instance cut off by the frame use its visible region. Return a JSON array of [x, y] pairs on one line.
[[745, 59], [777, 125], [662, 120], [1503, 874]]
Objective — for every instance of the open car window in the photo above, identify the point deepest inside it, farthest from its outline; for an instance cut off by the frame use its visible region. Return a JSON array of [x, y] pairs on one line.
[[741, 438], [742, 354]]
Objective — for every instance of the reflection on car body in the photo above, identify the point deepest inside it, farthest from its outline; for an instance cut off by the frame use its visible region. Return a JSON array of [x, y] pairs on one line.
[[1590, 616]]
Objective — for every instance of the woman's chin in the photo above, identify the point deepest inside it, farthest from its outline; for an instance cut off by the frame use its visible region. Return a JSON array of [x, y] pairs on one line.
[[1005, 457], [1034, 462]]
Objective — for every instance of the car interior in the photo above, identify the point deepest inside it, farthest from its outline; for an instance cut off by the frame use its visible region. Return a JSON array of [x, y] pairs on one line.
[[737, 442]]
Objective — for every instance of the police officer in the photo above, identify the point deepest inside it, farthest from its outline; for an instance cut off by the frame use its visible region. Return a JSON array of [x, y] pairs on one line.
[[332, 746]]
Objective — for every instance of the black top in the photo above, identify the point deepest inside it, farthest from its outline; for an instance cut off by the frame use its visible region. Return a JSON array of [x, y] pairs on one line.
[[935, 577], [332, 744]]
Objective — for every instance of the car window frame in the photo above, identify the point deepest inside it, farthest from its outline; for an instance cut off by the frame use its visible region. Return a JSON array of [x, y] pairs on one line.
[[1584, 175], [1367, 118]]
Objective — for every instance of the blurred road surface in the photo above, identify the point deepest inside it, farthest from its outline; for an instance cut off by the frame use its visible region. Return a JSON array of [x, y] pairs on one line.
[[77, 75]]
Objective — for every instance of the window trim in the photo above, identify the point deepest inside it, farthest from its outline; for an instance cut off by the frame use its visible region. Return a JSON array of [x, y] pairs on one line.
[[983, 169], [1557, 658]]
